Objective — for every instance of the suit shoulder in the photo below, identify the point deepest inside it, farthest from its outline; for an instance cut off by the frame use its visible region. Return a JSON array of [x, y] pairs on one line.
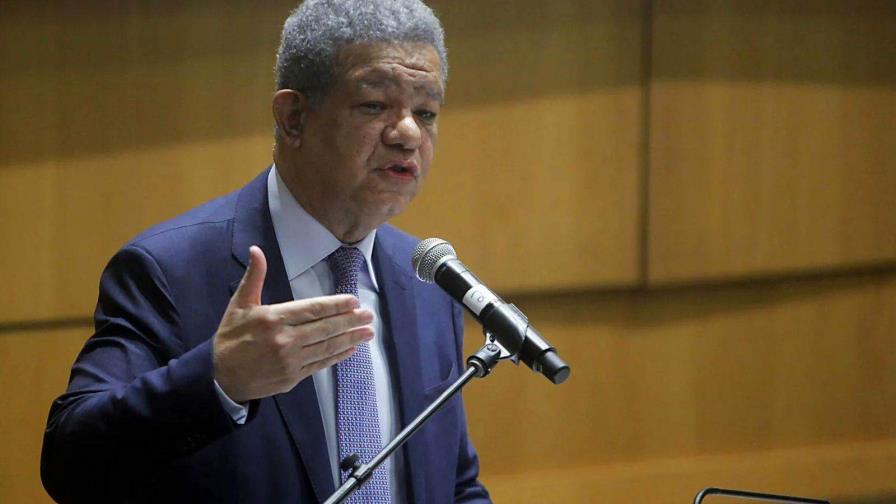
[[217, 211], [210, 221]]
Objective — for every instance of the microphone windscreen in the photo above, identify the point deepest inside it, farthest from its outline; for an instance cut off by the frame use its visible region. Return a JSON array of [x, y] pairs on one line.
[[428, 255]]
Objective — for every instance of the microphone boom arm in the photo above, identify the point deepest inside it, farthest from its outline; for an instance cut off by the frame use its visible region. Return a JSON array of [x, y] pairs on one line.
[[479, 365]]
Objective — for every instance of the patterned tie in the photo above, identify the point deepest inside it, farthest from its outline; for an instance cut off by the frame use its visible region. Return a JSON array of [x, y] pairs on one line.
[[357, 422]]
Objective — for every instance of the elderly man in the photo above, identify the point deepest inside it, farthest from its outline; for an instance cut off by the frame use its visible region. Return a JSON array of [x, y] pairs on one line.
[[246, 347]]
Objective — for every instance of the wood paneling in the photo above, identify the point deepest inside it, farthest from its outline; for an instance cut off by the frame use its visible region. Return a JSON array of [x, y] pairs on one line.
[[34, 369], [96, 78], [848, 472], [542, 205], [538, 177], [116, 117], [771, 137], [69, 217], [696, 371]]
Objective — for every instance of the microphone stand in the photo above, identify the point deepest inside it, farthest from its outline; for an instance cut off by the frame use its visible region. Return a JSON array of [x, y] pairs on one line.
[[479, 365], [755, 496]]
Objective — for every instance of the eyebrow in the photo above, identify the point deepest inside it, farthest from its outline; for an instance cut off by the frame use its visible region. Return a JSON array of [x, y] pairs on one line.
[[435, 94]]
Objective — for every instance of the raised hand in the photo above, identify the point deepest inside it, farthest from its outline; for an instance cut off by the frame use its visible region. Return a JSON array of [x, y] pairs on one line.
[[261, 350]]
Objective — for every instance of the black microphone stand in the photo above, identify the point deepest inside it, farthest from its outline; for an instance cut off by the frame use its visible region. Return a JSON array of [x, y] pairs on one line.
[[479, 365], [755, 496]]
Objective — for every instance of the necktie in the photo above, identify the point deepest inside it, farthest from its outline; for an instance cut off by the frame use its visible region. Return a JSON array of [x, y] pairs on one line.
[[357, 421]]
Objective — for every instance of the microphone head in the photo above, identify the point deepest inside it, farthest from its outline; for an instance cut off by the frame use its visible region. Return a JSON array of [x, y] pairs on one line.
[[428, 255]]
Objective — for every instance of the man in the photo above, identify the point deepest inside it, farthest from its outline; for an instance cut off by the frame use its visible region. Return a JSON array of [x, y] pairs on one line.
[[222, 369]]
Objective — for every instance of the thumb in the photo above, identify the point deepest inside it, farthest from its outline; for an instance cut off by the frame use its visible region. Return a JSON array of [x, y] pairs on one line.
[[248, 293]]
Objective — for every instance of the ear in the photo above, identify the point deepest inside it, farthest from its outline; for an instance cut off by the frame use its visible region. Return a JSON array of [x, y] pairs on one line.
[[290, 107]]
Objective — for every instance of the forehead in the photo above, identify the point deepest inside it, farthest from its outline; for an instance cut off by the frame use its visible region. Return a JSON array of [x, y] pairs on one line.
[[381, 64]]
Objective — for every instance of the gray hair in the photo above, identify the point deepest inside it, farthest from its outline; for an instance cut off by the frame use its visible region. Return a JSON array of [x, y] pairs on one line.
[[317, 30]]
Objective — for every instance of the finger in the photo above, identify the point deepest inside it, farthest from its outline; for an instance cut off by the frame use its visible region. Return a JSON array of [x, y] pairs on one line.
[[248, 293], [316, 331], [330, 361], [307, 310], [337, 344]]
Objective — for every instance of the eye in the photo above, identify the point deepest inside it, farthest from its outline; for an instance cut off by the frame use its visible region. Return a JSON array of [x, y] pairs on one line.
[[426, 116], [373, 107]]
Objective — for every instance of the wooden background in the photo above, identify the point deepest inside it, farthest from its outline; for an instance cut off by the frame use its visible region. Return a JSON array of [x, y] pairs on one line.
[[694, 200]]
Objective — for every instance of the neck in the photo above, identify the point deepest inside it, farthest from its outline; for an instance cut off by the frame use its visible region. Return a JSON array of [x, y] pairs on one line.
[[345, 227]]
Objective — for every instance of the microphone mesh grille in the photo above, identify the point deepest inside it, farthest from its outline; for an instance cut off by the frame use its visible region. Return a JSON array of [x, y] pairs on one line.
[[427, 256]]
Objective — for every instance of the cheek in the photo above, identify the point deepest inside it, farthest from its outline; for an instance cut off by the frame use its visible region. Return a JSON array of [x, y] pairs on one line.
[[427, 151], [351, 142], [365, 144]]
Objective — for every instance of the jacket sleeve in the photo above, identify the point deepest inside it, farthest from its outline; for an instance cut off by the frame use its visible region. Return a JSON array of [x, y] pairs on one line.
[[136, 397], [468, 488]]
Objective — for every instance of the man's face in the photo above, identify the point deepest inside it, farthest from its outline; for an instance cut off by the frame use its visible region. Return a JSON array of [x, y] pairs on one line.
[[366, 148]]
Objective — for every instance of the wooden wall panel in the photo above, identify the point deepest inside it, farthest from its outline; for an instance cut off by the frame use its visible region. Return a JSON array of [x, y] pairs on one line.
[[553, 208], [771, 132], [34, 369], [538, 176], [68, 217], [848, 472], [695, 372], [116, 117], [95, 78]]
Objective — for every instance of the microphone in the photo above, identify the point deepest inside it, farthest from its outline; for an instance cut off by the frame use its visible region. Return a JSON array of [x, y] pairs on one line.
[[435, 261]]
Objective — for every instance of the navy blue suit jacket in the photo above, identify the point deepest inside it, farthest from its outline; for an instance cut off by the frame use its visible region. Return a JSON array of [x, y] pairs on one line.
[[141, 421]]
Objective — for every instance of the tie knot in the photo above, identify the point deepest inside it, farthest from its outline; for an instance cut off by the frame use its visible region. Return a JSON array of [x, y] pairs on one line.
[[346, 262]]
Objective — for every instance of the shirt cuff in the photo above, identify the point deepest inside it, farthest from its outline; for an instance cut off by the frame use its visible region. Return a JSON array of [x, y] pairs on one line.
[[237, 411]]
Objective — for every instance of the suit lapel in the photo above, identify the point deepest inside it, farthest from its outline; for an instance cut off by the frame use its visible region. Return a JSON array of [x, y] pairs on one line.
[[298, 407], [401, 317]]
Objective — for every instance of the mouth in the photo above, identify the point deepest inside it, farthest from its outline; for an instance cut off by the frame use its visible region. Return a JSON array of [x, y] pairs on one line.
[[405, 170]]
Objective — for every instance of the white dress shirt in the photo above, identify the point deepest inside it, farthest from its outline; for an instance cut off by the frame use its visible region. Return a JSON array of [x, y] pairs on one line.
[[304, 246]]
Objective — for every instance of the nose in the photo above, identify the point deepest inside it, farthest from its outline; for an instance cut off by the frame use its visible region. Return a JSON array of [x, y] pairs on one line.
[[404, 132]]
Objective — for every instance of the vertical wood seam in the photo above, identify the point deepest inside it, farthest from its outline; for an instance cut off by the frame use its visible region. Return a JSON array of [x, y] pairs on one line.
[[644, 193]]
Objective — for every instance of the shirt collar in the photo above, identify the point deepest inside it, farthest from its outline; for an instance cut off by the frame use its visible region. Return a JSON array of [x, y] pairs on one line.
[[303, 240]]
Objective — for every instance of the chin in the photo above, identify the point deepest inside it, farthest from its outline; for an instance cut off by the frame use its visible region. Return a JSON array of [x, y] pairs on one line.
[[387, 210]]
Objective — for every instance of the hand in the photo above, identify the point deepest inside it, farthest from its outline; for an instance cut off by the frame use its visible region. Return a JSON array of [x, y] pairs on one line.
[[261, 350]]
